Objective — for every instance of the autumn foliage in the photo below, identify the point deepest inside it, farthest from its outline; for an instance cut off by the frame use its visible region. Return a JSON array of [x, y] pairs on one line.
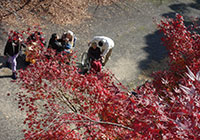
[[61, 103]]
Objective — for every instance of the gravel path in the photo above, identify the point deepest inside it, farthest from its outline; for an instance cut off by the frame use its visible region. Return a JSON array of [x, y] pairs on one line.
[[137, 50]]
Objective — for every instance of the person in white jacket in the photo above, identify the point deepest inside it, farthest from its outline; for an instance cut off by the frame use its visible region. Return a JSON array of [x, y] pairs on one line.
[[106, 44]]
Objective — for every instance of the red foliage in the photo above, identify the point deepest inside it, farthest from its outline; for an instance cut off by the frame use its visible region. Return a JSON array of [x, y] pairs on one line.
[[62, 104]]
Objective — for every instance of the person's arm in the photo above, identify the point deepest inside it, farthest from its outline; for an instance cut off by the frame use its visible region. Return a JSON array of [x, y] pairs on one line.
[[58, 46], [8, 44], [106, 50], [60, 40], [74, 41], [90, 53]]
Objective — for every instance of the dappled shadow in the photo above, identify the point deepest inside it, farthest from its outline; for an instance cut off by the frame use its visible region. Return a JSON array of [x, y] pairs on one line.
[[2, 62], [182, 8], [195, 5], [6, 76], [169, 15], [3, 65], [21, 64], [185, 10], [156, 51]]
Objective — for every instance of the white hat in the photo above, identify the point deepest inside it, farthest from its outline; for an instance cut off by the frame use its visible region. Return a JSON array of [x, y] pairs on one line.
[[70, 32]]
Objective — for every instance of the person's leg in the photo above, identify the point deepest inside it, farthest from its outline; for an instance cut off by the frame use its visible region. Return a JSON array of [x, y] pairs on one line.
[[107, 57], [13, 61], [102, 61], [10, 61]]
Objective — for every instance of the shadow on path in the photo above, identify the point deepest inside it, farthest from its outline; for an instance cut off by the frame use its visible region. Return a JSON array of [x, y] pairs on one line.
[[5, 76], [21, 64], [2, 62], [185, 10], [155, 49], [195, 5]]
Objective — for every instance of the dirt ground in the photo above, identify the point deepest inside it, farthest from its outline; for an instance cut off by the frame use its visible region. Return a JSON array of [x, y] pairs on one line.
[[138, 50]]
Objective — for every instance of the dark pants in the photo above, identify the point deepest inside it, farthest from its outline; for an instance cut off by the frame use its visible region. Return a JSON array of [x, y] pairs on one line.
[[107, 57]]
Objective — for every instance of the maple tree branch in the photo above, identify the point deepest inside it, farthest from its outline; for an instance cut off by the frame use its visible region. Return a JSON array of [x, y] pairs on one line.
[[102, 122], [70, 105]]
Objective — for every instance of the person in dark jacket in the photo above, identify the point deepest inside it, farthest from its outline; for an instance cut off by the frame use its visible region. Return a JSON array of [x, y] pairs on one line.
[[94, 52], [55, 44], [12, 50]]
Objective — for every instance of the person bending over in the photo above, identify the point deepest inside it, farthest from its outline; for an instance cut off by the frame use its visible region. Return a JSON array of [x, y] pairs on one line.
[[106, 44]]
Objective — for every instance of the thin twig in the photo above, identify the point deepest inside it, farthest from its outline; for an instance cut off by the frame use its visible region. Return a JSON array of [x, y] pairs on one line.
[[109, 123]]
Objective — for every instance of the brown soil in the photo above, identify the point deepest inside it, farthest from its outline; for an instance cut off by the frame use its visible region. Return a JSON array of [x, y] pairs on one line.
[[27, 12]]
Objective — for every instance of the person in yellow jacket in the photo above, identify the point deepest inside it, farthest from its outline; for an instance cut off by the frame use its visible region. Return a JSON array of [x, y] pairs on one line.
[[31, 52]]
